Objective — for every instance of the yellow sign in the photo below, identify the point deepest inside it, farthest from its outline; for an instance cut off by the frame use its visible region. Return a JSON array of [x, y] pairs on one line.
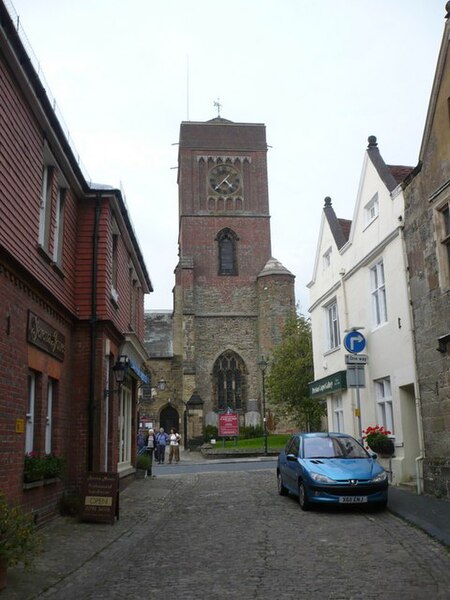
[[20, 425], [357, 412], [98, 501]]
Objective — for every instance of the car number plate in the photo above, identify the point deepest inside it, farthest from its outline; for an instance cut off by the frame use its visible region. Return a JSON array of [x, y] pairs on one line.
[[352, 499]]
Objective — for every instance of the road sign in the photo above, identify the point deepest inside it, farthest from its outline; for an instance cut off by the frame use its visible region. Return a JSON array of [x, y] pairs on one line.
[[356, 359], [354, 342]]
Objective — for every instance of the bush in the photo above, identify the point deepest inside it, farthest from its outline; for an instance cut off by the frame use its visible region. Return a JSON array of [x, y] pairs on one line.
[[210, 431], [143, 461], [251, 431], [18, 536]]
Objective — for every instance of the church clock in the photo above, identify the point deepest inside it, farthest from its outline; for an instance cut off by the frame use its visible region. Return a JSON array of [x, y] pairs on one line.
[[224, 179]]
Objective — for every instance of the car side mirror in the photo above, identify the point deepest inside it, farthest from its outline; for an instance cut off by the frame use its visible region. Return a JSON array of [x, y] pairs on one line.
[[291, 457]]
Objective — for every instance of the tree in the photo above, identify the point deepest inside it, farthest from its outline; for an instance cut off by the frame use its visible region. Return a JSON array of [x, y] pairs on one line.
[[290, 373]]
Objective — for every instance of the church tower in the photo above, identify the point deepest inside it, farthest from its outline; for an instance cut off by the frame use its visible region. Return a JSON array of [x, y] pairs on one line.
[[231, 297]]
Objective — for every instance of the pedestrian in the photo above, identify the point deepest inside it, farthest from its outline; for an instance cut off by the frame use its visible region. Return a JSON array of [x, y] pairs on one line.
[[174, 446], [141, 441], [151, 445], [162, 439]]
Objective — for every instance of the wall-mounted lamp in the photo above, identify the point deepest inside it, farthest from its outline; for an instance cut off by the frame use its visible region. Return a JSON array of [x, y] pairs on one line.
[[119, 369]]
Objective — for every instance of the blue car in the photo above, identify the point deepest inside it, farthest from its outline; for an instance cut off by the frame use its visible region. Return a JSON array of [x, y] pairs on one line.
[[332, 469]]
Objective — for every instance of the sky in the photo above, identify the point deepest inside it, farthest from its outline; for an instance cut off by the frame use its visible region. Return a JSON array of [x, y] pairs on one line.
[[322, 75]]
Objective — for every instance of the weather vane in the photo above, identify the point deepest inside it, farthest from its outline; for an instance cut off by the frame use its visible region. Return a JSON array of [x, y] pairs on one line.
[[218, 106]]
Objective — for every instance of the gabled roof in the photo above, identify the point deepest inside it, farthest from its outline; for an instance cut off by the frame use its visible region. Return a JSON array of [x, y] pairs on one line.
[[391, 175], [340, 228]]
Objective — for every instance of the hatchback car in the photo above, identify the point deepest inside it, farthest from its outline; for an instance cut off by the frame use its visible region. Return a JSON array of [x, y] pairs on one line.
[[330, 468]]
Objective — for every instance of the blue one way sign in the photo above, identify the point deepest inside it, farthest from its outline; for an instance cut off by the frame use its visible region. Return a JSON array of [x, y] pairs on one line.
[[354, 342]]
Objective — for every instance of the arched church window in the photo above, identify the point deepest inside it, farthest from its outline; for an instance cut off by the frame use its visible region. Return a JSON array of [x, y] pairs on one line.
[[229, 381], [227, 241]]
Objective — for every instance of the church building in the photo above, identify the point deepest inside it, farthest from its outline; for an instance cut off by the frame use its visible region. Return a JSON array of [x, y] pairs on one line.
[[231, 297]]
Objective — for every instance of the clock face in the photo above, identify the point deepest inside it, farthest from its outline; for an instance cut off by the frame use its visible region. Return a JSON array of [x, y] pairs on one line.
[[224, 179]]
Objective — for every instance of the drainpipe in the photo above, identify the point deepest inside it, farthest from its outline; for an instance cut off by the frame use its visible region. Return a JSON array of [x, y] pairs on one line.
[[93, 339]]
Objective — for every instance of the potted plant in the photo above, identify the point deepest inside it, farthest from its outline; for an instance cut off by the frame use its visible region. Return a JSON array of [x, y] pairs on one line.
[[378, 440], [33, 468], [19, 539], [143, 463], [53, 466], [37, 468]]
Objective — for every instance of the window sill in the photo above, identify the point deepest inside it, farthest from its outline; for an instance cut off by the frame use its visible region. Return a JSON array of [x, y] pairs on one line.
[[35, 484]]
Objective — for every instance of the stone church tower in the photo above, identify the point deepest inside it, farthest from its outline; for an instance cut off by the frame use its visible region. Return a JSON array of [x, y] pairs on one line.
[[231, 297]]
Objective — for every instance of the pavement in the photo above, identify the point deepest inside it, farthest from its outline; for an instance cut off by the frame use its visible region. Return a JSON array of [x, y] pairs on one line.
[[81, 542]]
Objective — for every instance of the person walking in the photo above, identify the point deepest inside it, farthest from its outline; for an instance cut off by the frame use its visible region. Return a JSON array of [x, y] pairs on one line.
[[162, 439], [174, 446], [151, 445], [141, 442]]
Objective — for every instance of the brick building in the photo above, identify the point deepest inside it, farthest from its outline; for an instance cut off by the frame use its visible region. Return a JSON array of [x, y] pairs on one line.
[[231, 297], [72, 284], [427, 236]]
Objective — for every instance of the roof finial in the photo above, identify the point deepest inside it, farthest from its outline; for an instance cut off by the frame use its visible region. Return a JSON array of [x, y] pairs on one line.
[[218, 106], [372, 141], [327, 201], [447, 8]]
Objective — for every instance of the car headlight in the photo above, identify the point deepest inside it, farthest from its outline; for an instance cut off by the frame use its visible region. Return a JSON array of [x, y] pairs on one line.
[[319, 478], [380, 477]]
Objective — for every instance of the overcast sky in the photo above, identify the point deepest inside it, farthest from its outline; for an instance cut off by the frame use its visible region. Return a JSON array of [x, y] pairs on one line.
[[322, 75]]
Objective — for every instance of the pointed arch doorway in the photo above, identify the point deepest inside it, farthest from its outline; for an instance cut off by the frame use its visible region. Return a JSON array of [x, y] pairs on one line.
[[169, 418]]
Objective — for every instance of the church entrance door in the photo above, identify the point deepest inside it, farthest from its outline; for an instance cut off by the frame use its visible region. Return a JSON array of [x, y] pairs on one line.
[[169, 418]]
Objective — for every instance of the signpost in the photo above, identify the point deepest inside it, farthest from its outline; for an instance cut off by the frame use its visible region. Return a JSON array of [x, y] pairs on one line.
[[228, 425], [355, 343]]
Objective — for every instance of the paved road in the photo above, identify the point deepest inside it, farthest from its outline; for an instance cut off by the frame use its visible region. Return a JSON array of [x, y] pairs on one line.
[[229, 535]]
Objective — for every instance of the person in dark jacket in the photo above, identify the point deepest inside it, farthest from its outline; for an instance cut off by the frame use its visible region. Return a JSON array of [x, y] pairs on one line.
[[161, 442]]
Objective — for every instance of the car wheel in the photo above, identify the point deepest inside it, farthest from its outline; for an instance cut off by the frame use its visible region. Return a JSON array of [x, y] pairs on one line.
[[303, 497], [281, 489]]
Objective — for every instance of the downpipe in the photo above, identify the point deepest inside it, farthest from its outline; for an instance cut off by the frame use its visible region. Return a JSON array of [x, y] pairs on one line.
[[419, 476]]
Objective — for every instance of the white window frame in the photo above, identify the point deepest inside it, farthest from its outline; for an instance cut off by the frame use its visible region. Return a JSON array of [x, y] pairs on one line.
[[29, 427], [372, 209], [338, 413], [378, 293], [59, 226], [332, 325], [383, 395], [49, 417], [45, 206], [124, 426]]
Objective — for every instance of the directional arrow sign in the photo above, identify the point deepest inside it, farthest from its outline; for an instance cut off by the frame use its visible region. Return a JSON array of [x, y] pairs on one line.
[[354, 342]]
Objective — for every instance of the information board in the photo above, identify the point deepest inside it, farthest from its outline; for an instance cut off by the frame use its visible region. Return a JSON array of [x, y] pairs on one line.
[[228, 424], [100, 497]]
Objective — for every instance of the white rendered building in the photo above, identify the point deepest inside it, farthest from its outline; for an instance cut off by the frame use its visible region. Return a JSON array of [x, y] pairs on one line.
[[360, 281]]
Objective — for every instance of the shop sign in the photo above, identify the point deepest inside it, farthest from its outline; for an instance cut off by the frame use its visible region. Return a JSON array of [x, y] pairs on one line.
[[44, 336], [100, 497], [328, 385]]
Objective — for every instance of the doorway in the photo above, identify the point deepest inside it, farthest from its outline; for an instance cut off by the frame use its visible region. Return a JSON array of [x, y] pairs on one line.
[[169, 418]]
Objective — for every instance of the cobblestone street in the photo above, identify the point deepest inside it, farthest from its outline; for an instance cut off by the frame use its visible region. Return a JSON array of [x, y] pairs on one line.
[[229, 535]]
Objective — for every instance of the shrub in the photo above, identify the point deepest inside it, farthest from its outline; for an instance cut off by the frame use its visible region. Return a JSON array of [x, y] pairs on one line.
[[210, 431], [19, 538], [143, 461], [251, 431]]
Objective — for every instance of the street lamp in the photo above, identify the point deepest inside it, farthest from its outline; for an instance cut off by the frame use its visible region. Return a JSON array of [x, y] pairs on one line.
[[262, 363]]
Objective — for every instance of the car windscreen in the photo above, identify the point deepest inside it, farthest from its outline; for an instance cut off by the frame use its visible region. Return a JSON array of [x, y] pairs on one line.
[[333, 447]]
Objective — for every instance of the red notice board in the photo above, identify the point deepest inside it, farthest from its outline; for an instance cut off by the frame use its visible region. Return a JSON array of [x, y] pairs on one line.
[[228, 425]]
